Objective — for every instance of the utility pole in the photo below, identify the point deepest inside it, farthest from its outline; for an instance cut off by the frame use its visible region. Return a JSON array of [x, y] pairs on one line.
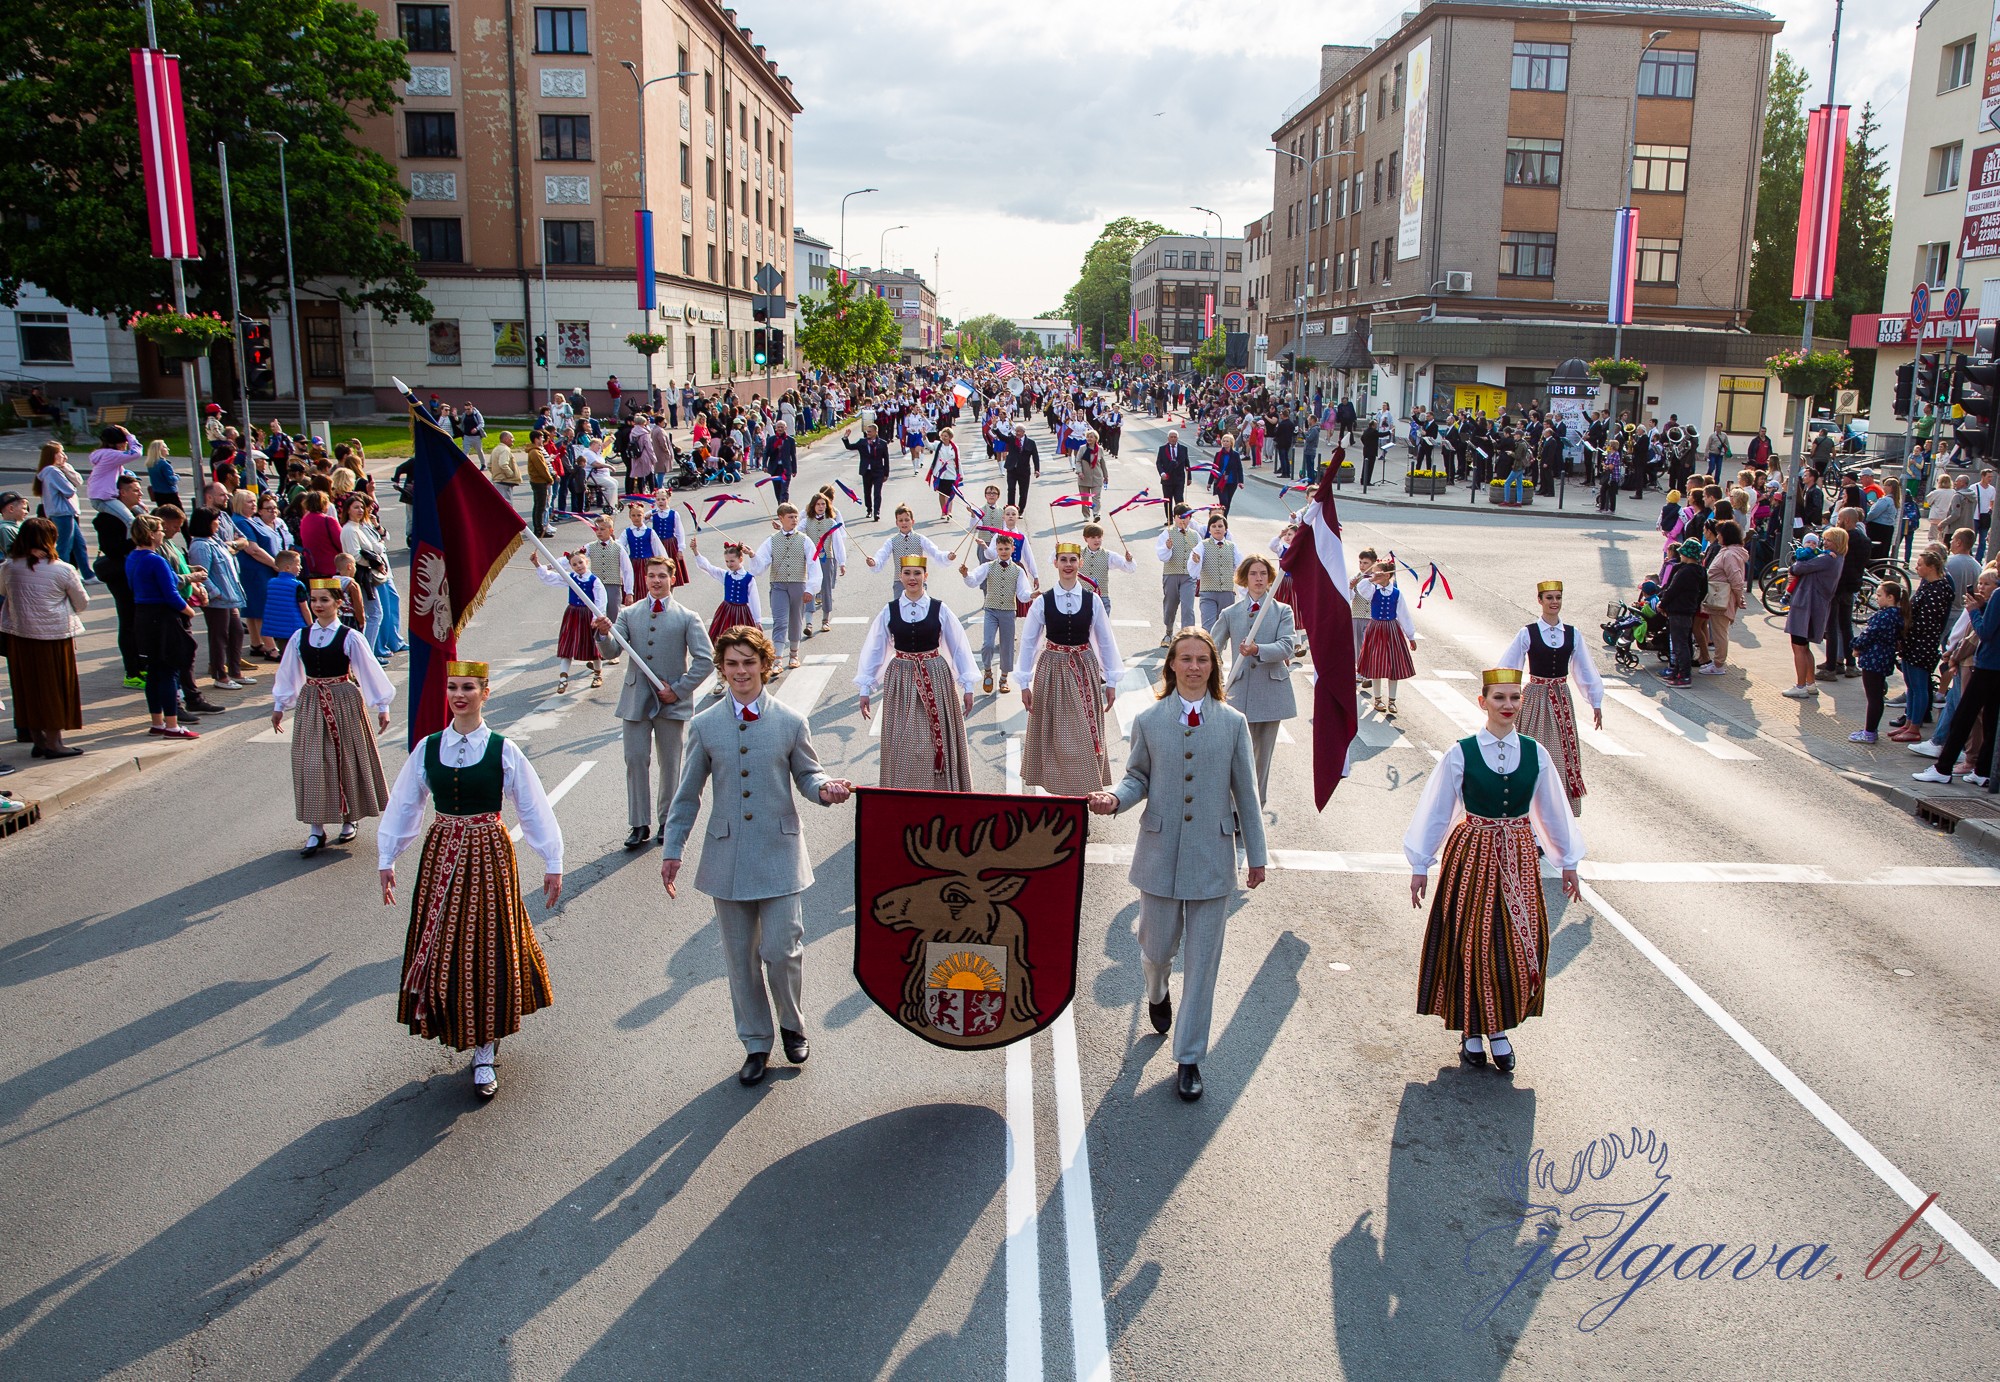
[[1804, 414], [235, 312]]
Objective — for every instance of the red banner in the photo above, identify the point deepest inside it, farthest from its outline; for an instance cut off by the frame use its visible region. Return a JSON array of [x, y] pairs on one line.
[[1819, 204], [163, 154], [966, 911]]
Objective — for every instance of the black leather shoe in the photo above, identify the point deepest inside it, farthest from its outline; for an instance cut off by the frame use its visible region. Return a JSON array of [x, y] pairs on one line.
[[314, 844], [797, 1048], [753, 1067], [661, 833], [1468, 1056], [1162, 1014], [1504, 1064], [637, 839], [1189, 1084], [204, 705]]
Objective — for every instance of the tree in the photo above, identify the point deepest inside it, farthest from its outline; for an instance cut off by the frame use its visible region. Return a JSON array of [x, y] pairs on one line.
[[1100, 301], [73, 216], [1136, 348], [1778, 187], [1209, 355], [845, 328]]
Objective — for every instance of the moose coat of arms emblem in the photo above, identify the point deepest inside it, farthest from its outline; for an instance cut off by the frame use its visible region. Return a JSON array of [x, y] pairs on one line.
[[967, 908]]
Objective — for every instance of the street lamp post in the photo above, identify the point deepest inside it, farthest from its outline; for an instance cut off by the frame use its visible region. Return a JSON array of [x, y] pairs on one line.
[[291, 283], [882, 246], [1625, 204], [1215, 316], [640, 250], [859, 191], [1804, 415]]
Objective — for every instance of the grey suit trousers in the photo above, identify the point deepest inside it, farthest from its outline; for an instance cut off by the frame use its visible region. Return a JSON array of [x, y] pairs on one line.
[[788, 615], [1163, 921], [1001, 626], [1213, 602], [769, 932], [1263, 742], [646, 740], [1176, 601]]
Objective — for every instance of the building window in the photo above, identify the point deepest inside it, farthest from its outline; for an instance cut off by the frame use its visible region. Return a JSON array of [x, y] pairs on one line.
[[567, 137], [1959, 59], [1660, 261], [1934, 263], [569, 242], [1354, 268], [1541, 67], [1339, 266], [1232, 263], [687, 256], [1739, 403], [687, 166], [1666, 72], [1361, 113], [681, 65], [1534, 162], [1945, 159], [45, 337], [1346, 121], [711, 177], [1169, 259], [1340, 201], [1354, 197], [729, 271], [431, 133], [561, 31], [1312, 212], [1374, 260], [425, 28], [1207, 262], [711, 270], [1527, 254], [1378, 181], [1395, 174], [708, 91], [1525, 387], [437, 239], [1396, 90], [1232, 297], [1659, 168]]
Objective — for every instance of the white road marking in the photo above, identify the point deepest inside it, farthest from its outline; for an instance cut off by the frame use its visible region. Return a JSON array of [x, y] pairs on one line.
[[1086, 1280], [1970, 1248], [1456, 676], [1131, 623], [1134, 695], [1712, 744], [1285, 735], [1024, 1255], [851, 619], [1007, 714], [1380, 734], [800, 688], [508, 671], [1014, 764], [270, 736], [824, 659], [1456, 708], [1935, 877], [559, 791]]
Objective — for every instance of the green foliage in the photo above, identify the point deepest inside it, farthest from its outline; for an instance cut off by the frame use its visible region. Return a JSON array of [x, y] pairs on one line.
[[1134, 348], [1209, 355], [1776, 231], [997, 332], [845, 329], [1100, 301], [73, 216]]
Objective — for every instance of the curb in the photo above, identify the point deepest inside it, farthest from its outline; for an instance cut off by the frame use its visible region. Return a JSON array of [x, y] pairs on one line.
[[1981, 835], [1351, 495], [109, 770]]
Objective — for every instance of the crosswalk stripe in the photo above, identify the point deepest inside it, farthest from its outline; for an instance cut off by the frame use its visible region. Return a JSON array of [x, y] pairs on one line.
[[1457, 709], [559, 791], [1377, 734], [1712, 744], [801, 687]]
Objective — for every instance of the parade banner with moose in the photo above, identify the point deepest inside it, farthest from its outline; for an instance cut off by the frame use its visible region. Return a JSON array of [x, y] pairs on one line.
[[967, 907]]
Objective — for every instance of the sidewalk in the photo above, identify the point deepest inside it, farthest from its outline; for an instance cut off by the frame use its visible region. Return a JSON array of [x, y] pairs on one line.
[[1389, 494]]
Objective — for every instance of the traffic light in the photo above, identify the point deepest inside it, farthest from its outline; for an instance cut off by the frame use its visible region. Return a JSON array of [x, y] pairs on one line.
[[1925, 380], [760, 346], [760, 308], [1978, 393], [259, 364], [777, 346], [1905, 383], [541, 350]]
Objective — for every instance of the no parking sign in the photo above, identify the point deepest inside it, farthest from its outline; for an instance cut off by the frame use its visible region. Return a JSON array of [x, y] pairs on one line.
[[1234, 381]]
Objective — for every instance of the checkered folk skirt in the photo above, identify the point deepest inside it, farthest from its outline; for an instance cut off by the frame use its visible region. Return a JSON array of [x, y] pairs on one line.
[[472, 968], [923, 726], [1484, 950], [1064, 748], [1548, 716], [336, 772]]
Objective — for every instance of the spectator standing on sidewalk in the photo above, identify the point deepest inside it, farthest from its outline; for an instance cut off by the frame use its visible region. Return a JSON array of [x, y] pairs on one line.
[[1728, 586], [1961, 568], [224, 611], [116, 450], [1930, 613], [1846, 595], [1875, 649], [57, 485], [40, 620], [1979, 702], [163, 618], [1811, 606], [1680, 600]]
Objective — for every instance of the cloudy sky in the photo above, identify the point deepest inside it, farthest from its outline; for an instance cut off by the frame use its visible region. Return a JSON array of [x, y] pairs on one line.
[[1002, 137]]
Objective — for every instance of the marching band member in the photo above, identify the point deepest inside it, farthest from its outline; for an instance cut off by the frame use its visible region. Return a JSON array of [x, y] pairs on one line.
[[1212, 568], [1485, 955], [1260, 634], [472, 968], [1552, 654], [336, 770], [917, 657], [1071, 666], [1006, 587]]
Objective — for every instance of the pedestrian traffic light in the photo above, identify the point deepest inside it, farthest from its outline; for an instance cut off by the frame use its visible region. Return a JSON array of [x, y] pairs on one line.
[[760, 307], [1978, 393], [259, 364], [760, 346], [541, 350], [777, 346], [1906, 376], [1925, 380]]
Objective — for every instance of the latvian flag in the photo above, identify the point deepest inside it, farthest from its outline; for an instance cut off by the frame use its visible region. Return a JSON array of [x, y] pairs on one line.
[[1318, 568]]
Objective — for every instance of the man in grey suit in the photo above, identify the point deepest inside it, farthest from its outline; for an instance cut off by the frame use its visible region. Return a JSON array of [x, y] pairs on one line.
[[1184, 864], [1262, 639], [755, 868], [670, 640]]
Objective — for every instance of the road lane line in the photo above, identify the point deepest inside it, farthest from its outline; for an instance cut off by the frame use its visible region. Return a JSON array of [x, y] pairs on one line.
[[1457, 708], [1714, 745], [559, 791], [1024, 1254], [1970, 1248], [1086, 1275], [1014, 764], [1380, 734]]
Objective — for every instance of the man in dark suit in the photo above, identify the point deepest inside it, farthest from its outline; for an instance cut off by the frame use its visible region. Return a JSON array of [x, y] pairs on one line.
[[1172, 464], [781, 461], [874, 465], [1020, 458]]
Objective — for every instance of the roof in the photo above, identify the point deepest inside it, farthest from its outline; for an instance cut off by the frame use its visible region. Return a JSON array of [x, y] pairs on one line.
[[1043, 324], [1692, 9], [802, 236]]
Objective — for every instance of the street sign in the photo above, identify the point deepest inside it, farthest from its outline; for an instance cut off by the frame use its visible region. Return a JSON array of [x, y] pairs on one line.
[[1234, 381], [1147, 359], [1920, 304], [767, 308], [1116, 358], [767, 279], [1954, 303]]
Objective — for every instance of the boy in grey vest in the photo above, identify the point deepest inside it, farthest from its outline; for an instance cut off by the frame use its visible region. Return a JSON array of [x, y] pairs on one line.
[[794, 576], [1007, 588], [1098, 564]]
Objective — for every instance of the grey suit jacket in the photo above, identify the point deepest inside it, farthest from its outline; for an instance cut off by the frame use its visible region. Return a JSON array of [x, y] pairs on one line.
[[675, 645], [1200, 789], [1260, 687], [754, 847]]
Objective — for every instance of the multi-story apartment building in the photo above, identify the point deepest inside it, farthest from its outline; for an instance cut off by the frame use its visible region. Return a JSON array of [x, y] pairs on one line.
[[1257, 287], [1444, 201], [913, 302], [1173, 279], [812, 260]]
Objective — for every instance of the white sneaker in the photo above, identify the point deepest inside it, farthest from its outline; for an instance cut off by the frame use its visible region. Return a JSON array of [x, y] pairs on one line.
[[1800, 693], [1926, 748], [1709, 669], [1930, 775], [1974, 780]]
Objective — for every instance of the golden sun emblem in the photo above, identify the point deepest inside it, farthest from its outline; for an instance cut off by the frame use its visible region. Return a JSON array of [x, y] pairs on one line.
[[964, 970]]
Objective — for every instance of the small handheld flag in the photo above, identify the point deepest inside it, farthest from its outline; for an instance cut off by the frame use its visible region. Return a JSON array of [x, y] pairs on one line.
[[1019, 538], [691, 514], [716, 503], [852, 497], [1070, 501], [826, 537]]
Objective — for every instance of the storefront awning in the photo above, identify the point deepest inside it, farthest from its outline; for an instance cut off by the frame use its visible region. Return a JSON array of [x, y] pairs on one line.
[[1347, 351]]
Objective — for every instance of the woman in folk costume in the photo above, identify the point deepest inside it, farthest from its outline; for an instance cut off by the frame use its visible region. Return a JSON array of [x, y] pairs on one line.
[[472, 968], [739, 590], [1551, 653], [827, 534], [1070, 662], [336, 772], [916, 655], [1093, 473], [1485, 959], [1385, 646], [576, 639]]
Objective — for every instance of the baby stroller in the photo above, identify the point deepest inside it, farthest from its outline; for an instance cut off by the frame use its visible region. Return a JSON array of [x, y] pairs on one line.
[[1634, 629]]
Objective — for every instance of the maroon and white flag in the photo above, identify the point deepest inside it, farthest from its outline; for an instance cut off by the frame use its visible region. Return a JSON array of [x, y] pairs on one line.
[[1317, 565], [163, 154]]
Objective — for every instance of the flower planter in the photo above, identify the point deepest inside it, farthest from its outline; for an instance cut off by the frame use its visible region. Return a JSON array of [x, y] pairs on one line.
[[1496, 491], [1425, 484], [180, 348]]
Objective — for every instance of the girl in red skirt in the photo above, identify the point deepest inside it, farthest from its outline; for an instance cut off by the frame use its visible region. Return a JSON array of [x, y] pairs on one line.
[[576, 640], [1385, 646], [739, 590]]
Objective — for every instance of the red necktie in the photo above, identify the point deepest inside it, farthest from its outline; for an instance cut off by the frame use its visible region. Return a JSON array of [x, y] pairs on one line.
[[1255, 605], [749, 714], [659, 606], [1194, 719]]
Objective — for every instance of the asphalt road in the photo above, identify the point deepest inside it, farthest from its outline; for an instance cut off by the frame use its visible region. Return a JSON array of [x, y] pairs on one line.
[[220, 1156]]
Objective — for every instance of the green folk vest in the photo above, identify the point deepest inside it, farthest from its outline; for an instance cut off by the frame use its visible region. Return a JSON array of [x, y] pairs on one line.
[[604, 565], [910, 544], [1495, 795], [1180, 542], [991, 515], [1218, 565], [1002, 582], [788, 556], [1095, 567], [470, 791], [815, 529]]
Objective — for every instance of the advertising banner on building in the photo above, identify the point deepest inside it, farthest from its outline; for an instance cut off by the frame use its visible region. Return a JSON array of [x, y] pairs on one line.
[[1980, 236], [1989, 96], [1416, 134]]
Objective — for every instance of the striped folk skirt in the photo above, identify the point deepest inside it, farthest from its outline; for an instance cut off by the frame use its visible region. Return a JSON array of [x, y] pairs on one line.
[[578, 638], [336, 771], [1488, 938], [1548, 716], [472, 968], [1385, 652], [923, 726], [1064, 753], [729, 616]]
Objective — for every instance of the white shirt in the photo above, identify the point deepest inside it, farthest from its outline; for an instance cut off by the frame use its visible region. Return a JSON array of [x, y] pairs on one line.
[[549, 576], [1161, 544], [756, 705], [1548, 812], [1117, 562], [1581, 669], [750, 600], [1189, 707], [1024, 555], [1069, 599], [291, 679], [761, 562], [952, 644], [520, 785], [1194, 557], [930, 549]]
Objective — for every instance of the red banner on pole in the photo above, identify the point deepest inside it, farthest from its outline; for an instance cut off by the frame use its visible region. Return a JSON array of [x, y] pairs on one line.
[[163, 155], [1819, 204]]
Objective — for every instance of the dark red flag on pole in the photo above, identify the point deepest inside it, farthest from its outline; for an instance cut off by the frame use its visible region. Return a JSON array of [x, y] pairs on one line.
[[163, 155], [1317, 565], [1819, 203]]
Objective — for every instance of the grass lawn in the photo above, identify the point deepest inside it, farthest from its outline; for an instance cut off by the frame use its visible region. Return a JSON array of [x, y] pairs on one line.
[[379, 440]]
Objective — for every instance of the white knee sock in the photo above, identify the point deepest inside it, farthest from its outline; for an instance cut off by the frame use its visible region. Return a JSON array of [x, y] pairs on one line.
[[483, 1055], [562, 665]]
